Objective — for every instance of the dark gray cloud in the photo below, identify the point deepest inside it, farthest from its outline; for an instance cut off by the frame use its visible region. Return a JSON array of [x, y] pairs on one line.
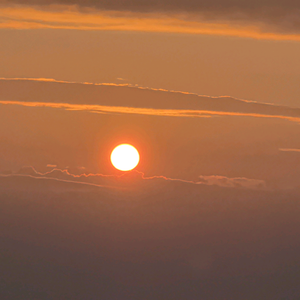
[[283, 15], [178, 5]]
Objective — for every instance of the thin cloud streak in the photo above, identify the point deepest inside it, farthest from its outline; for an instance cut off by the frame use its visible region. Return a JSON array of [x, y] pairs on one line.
[[52, 80], [88, 83], [233, 182], [289, 150], [68, 17], [195, 105], [109, 181], [111, 109], [145, 111], [56, 179], [142, 175]]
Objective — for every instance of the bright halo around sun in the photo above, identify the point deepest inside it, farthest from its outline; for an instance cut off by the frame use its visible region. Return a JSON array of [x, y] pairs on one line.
[[125, 157]]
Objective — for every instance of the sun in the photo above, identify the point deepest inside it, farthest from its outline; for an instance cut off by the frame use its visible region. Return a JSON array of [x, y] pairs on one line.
[[125, 157]]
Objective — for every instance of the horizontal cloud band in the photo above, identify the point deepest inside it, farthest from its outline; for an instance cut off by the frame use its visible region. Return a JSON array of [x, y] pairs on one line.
[[109, 98], [121, 181], [263, 19], [145, 111]]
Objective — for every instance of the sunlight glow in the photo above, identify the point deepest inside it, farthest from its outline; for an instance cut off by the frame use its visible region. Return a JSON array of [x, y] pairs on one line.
[[125, 157]]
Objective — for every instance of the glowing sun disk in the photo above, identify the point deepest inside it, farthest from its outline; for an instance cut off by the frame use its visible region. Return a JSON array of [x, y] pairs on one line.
[[125, 157]]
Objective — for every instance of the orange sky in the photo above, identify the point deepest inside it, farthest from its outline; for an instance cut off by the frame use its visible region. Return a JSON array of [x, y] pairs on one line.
[[242, 52], [246, 55], [207, 91], [260, 70]]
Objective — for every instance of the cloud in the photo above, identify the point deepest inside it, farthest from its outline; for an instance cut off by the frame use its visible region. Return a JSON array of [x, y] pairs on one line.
[[146, 111], [171, 5], [135, 178], [240, 182], [289, 150], [257, 19], [112, 109], [96, 179], [156, 102], [66, 180], [51, 166]]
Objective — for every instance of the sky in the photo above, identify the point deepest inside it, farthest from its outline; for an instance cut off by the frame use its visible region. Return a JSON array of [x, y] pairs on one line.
[[207, 92]]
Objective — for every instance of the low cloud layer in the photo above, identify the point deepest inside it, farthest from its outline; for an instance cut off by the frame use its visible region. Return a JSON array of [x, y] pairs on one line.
[[258, 19], [134, 179], [233, 182]]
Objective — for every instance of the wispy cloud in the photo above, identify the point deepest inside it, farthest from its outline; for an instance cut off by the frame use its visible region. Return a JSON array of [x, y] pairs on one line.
[[150, 16], [233, 182], [102, 180], [70, 82], [146, 111], [156, 102], [114, 109], [289, 150]]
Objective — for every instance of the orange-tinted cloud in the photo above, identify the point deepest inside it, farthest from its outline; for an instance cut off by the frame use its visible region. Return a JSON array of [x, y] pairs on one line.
[[146, 111], [233, 182], [102, 180], [156, 102], [289, 150], [159, 18], [111, 109], [51, 166]]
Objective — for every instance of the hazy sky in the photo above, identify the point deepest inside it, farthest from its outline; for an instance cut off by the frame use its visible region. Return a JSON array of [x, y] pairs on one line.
[[208, 93], [265, 69]]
